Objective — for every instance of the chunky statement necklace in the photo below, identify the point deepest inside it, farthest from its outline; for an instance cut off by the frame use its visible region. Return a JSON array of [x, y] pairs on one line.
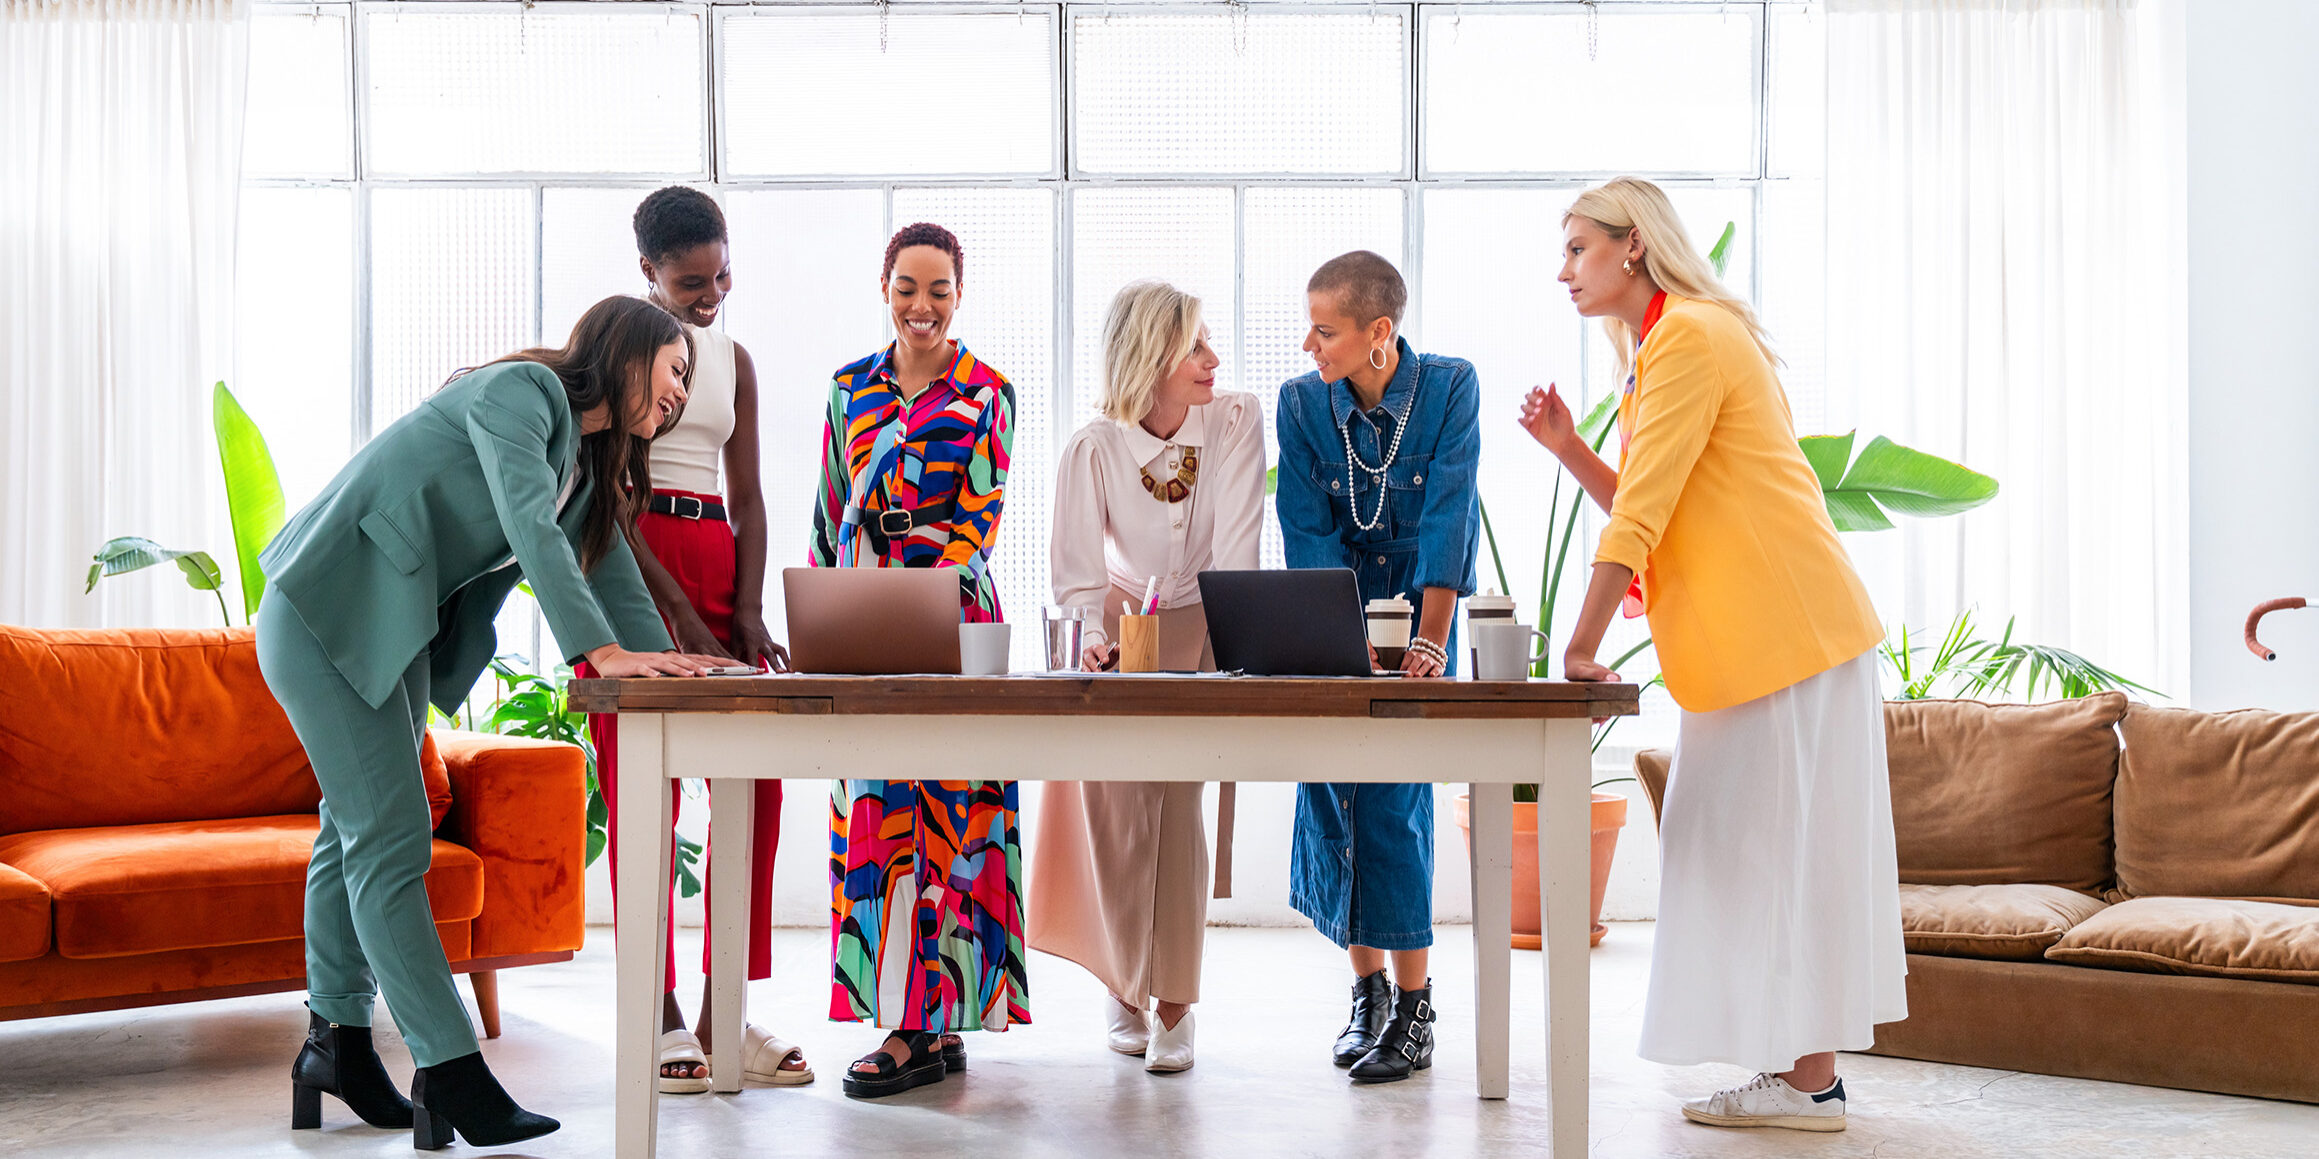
[[1376, 473], [1175, 490]]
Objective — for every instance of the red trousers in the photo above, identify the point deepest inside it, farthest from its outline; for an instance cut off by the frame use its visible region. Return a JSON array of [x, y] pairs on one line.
[[699, 554]]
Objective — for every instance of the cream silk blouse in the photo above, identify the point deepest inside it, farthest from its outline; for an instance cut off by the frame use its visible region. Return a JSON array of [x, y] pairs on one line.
[[1111, 532]]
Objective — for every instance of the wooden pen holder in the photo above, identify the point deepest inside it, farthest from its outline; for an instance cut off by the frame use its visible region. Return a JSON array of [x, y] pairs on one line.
[[1139, 643]]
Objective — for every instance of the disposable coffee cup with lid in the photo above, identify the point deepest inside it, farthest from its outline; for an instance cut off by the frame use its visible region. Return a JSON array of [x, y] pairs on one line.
[[1389, 623], [1490, 607]]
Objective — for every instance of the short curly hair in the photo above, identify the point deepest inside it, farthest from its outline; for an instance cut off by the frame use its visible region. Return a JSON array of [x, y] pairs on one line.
[[928, 234], [673, 220]]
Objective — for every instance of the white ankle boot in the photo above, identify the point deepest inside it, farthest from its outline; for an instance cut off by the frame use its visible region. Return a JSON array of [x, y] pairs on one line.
[[1130, 1033], [1171, 1047]]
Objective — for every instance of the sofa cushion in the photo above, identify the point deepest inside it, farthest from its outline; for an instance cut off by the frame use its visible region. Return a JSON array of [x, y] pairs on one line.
[[141, 889], [2004, 794], [2005, 922], [2219, 805], [23, 915], [2210, 937]]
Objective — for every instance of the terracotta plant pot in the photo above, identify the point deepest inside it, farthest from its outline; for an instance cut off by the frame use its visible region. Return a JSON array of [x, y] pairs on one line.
[[1610, 816]]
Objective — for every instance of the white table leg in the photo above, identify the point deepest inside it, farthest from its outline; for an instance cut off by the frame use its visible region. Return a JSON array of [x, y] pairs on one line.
[[733, 820], [1491, 820], [1563, 888], [638, 927]]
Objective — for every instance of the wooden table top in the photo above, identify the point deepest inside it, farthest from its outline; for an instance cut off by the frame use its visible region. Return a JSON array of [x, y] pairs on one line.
[[1071, 694]]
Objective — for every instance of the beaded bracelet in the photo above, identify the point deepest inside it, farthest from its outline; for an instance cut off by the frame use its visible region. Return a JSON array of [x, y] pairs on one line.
[[1425, 647]]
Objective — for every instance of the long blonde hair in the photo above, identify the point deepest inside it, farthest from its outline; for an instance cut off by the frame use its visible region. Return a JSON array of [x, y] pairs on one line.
[[1623, 205], [1151, 329]]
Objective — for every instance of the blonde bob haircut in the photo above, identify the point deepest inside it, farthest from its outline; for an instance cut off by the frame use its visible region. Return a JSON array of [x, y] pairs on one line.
[[1151, 329], [1623, 205]]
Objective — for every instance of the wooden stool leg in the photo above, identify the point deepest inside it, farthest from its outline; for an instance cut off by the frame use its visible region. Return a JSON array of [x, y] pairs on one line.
[[486, 984]]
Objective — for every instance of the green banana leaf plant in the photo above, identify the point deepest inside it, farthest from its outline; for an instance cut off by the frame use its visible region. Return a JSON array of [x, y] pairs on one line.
[[128, 553], [253, 493]]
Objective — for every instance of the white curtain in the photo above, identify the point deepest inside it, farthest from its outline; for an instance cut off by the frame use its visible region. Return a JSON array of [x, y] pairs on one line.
[[2004, 280], [120, 155]]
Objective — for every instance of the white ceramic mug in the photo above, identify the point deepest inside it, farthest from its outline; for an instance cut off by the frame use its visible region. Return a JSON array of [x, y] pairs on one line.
[[983, 648], [1503, 651]]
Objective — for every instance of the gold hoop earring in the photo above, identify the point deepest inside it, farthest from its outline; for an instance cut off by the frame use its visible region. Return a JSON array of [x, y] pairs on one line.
[[1629, 266], [1376, 358]]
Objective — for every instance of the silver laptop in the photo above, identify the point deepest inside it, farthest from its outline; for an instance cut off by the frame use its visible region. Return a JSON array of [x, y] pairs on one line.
[[872, 621]]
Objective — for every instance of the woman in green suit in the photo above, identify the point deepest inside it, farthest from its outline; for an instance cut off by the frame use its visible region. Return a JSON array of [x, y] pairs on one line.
[[380, 600]]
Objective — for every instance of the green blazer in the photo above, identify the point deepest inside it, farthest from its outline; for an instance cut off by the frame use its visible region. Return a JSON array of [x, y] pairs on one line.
[[402, 553]]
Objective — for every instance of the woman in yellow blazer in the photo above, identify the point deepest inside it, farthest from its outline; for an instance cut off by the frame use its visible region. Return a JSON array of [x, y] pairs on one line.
[[1779, 936]]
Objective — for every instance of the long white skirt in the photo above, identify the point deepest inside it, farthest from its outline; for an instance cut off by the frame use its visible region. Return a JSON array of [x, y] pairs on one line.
[[1779, 897]]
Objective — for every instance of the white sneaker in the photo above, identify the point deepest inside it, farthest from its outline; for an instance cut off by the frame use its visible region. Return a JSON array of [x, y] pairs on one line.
[[1129, 1032], [1171, 1047], [1768, 1101]]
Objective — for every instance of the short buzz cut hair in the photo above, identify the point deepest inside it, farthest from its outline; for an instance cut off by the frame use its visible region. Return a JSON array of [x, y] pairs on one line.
[[1368, 285]]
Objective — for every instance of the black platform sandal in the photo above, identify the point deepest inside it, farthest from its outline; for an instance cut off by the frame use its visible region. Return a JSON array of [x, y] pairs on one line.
[[953, 1054], [1407, 1044], [340, 1061], [925, 1065], [1372, 1008], [461, 1098]]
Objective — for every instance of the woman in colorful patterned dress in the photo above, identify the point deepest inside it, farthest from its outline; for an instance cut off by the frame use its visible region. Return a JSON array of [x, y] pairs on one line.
[[914, 468]]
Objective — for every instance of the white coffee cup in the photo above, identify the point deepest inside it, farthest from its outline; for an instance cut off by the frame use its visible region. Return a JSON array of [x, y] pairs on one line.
[[983, 648], [1503, 651]]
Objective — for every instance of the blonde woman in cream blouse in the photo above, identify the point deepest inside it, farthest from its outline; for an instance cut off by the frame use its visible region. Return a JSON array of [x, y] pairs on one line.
[[1169, 482]]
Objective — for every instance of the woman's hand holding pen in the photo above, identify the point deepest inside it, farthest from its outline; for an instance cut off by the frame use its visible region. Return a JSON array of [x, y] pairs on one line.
[[1099, 658]]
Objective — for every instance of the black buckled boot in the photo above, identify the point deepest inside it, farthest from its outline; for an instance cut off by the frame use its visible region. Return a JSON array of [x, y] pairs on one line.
[[1372, 1008], [462, 1096], [340, 1061], [1407, 1044]]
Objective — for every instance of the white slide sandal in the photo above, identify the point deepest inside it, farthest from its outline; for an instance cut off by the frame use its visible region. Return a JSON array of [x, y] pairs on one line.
[[762, 1055], [681, 1046]]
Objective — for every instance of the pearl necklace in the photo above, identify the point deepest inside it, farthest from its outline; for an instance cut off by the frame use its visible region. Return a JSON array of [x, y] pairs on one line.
[[1376, 473]]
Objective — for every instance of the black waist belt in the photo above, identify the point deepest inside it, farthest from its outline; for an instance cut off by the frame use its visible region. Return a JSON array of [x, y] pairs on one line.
[[687, 507], [894, 523]]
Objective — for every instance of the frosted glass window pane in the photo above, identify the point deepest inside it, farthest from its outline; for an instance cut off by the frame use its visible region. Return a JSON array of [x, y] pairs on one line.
[[297, 121], [294, 330], [823, 92], [1795, 297], [587, 252], [1121, 235], [1799, 91], [1006, 315], [1650, 90], [804, 303], [1288, 233], [452, 285], [556, 88], [1240, 92]]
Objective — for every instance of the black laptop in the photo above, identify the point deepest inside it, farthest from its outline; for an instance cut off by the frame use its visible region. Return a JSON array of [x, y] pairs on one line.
[[1301, 622]]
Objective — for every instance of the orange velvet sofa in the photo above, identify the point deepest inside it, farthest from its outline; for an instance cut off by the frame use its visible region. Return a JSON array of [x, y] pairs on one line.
[[157, 813]]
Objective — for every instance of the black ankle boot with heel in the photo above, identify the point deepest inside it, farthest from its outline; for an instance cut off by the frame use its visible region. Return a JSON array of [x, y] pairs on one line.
[[1407, 1044], [340, 1061], [1372, 1008], [461, 1096]]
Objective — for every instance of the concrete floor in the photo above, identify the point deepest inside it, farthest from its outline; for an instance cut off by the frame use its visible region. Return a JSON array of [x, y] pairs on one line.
[[210, 1080]]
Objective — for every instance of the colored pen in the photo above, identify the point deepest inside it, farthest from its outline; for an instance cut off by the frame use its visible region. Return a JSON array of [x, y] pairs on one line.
[[1151, 595]]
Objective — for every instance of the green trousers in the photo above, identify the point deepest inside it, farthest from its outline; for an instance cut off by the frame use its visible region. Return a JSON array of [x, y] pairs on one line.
[[368, 926]]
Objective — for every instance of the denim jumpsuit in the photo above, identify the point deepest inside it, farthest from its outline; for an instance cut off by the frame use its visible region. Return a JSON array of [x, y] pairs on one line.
[[1362, 864]]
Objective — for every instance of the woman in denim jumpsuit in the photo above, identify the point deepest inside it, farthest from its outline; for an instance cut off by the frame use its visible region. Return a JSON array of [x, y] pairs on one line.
[[1403, 513]]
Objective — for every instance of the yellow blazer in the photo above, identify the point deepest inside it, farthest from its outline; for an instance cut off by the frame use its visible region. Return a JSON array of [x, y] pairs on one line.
[[1747, 588]]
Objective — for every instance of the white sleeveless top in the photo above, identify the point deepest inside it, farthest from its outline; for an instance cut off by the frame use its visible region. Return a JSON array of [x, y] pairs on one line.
[[690, 456]]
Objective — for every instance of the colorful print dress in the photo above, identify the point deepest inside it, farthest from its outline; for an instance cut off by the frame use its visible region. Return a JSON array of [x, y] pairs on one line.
[[926, 912]]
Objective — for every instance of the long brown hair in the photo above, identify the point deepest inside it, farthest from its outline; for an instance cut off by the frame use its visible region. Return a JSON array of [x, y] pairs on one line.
[[608, 360]]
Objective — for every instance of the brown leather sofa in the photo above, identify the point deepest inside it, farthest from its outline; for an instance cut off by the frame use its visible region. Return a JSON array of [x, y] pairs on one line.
[[157, 813], [2144, 913]]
